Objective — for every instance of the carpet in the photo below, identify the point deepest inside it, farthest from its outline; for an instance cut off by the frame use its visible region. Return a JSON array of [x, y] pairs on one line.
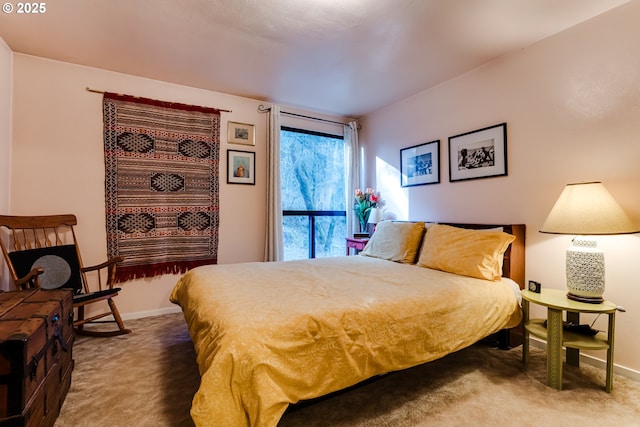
[[148, 378], [161, 185]]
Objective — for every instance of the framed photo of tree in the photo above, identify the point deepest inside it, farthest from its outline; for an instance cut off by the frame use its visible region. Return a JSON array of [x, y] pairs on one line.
[[420, 164]]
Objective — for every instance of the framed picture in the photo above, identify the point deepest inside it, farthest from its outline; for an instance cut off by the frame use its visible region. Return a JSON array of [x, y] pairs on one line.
[[420, 164], [478, 154], [241, 167], [240, 133]]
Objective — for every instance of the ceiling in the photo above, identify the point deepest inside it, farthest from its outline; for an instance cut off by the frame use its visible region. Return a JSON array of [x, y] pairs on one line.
[[343, 57]]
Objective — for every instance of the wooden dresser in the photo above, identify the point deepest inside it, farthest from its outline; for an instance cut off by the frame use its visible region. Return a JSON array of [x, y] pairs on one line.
[[36, 337]]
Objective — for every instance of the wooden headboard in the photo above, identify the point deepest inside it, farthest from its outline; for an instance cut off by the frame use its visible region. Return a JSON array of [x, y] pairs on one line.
[[514, 259]]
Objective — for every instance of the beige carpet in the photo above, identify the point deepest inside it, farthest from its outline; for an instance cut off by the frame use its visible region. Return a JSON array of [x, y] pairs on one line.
[[148, 378]]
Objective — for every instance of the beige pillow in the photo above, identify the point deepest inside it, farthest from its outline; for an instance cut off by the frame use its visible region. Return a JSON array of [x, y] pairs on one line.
[[395, 241], [475, 253]]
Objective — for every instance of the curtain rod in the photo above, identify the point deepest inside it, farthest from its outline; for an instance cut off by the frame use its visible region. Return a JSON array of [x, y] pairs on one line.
[[88, 89], [263, 109]]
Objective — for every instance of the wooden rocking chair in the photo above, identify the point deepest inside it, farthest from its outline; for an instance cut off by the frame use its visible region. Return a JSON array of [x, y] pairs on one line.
[[46, 255]]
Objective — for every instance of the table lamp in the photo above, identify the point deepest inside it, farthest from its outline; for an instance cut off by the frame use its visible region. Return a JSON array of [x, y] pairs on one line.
[[586, 209], [375, 216]]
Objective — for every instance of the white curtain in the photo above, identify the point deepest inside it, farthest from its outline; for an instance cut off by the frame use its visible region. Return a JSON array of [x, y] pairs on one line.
[[274, 246], [352, 157]]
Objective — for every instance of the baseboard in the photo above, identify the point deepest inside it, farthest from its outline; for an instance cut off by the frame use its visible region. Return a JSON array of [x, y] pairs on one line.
[[151, 313], [593, 361]]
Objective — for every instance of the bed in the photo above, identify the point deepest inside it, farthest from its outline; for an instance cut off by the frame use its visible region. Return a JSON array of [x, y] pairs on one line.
[[268, 335]]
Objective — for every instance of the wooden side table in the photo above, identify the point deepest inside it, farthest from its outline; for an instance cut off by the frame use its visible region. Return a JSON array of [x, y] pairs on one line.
[[356, 244], [557, 337]]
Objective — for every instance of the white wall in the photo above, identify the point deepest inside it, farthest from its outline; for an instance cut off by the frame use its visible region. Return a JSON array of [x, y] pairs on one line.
[[572, 107], [5, 141], [5, 124]]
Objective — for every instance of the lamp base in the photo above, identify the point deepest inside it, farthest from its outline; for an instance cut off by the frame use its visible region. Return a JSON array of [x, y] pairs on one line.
[[590, 300], [585, 271]]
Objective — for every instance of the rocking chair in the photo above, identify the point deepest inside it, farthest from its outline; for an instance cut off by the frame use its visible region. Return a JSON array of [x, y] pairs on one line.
[[42, 258]]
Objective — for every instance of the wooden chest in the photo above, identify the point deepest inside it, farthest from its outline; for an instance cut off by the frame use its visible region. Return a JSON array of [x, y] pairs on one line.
[[36, 337]]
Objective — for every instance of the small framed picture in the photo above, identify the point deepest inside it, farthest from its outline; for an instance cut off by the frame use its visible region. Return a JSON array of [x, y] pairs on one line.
[[241, 167], [241, 133], [478, 154], [420, 164]]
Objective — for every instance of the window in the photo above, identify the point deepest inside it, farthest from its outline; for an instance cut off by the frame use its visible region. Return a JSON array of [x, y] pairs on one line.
[[312, 168]]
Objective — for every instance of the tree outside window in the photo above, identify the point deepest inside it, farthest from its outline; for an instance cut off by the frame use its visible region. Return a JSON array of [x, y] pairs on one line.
[[312, 167]]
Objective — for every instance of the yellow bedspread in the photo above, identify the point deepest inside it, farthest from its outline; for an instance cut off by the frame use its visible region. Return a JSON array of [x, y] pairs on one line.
[[270, 334]]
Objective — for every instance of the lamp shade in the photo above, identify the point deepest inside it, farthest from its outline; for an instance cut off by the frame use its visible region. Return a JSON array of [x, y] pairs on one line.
[[375, 216], [587, 208]]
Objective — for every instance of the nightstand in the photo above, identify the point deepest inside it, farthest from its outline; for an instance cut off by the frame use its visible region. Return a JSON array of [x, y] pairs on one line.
[[557, 337], [356, 244]]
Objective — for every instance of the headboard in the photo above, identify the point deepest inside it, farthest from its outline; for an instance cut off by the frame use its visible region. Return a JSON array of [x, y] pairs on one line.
[[514, 258]]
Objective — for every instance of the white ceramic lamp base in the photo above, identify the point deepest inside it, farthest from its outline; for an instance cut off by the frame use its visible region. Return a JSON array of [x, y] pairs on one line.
[[585, 271]]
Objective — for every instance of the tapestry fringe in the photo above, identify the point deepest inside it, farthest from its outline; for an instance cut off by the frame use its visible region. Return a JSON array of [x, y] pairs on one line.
[[125, 274]]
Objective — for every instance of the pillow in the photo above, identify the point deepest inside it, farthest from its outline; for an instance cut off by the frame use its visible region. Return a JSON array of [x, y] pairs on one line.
[[60, 263], [395, 241], [474, 253]]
